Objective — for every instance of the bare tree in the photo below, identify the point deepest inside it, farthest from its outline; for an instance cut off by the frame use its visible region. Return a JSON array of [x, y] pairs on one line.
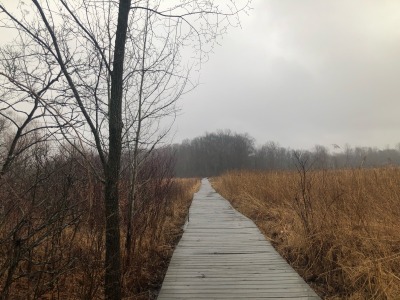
[[94, 51], [23, 109], [159, 80]]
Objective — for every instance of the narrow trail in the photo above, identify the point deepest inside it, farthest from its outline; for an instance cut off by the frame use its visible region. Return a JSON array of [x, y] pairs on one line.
[[223, 255]]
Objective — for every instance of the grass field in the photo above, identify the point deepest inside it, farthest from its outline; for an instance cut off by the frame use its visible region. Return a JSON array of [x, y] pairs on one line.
[[338, 228]]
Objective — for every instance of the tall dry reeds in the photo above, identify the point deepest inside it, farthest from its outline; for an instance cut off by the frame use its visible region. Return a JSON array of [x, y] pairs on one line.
[[157, 230], [338, 228], [52, 232]]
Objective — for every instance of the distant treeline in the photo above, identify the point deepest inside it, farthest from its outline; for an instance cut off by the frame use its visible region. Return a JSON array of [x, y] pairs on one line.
[[215, 153]]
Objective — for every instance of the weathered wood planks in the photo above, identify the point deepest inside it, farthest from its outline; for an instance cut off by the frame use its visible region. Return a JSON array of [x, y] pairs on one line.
[[223, 255]]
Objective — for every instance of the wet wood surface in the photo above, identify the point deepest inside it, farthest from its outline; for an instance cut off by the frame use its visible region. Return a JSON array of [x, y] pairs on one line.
[[223, 255]]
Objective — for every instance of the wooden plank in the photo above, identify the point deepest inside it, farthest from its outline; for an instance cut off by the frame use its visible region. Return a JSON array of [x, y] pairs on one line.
[[223, 255]]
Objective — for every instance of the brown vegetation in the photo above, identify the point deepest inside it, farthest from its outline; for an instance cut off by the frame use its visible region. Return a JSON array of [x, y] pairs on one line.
[[52, 229], [155, 244], [339, 229]]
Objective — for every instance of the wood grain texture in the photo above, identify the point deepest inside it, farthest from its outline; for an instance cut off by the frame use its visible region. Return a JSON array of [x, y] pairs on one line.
[[223, 255]]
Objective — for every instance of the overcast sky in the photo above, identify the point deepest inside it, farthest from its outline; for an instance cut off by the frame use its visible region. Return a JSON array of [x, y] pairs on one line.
[[303, 73]]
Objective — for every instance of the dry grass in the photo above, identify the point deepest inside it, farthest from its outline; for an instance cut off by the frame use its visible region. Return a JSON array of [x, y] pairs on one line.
[[68, 262], [344, 240], [152, 255]]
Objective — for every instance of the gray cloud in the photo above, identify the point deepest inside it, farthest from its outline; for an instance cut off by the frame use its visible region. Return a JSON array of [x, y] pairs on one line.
[[304, 73]]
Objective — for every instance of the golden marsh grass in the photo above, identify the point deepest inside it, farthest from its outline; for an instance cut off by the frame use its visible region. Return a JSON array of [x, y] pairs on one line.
[[350, 246]]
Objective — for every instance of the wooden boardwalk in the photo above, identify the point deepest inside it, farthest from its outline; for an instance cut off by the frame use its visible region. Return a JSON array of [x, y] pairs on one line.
[[223, 255]]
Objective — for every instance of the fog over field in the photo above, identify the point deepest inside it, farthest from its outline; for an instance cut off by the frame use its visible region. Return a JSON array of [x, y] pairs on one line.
[[302, 73]]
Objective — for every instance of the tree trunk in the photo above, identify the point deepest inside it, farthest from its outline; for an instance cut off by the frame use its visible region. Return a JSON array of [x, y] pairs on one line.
[[113, 248], [113, 251]]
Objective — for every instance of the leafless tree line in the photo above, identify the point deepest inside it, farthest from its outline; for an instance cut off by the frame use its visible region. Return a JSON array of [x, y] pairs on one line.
[[215, 153]]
